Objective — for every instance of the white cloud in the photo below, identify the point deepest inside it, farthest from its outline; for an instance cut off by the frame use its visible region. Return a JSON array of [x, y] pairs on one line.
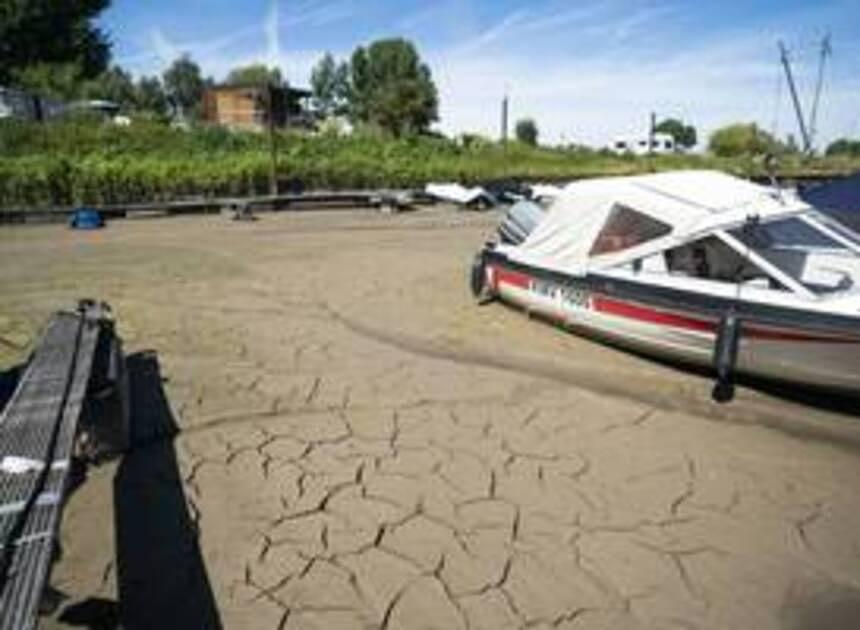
[[595, 101], [586, 73], [494, 34], [271, 27], [609, 69], [164, 49], [638, 20], [565, 18], [428, 15], [218, 55], [315, 13]]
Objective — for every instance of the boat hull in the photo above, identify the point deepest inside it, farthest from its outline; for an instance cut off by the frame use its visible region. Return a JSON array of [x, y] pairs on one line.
[[791, 347]]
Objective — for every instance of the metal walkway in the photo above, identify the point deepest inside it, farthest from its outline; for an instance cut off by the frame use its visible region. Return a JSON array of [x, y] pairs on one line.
[[38, 428], [321, 199]]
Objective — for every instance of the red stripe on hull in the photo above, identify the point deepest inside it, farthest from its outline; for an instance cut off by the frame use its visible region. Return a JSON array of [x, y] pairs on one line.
[[513, 278], [663, 318], [785, 335], [650, 315]]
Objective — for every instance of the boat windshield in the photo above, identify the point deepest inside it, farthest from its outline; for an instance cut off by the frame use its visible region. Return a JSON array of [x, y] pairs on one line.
[[837, 227], [817, 256]]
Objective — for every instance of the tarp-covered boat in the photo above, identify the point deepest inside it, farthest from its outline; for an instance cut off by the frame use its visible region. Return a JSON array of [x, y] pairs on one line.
[[519, 221], [475, 197], [694, 266], [839, 198]]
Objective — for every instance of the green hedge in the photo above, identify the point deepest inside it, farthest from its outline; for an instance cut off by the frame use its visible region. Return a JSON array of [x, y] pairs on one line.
[[82, 162]]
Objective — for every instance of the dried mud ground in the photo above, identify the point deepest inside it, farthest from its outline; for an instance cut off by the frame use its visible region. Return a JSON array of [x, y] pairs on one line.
[[362, 446]]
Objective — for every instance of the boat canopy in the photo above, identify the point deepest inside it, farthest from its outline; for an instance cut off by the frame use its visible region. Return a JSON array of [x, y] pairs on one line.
[[603, 222]]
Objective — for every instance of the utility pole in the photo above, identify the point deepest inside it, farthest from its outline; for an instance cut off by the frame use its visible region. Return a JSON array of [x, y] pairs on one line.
[[652, 129], [273, 151], [504, 128], [804, 133], [826, 51]]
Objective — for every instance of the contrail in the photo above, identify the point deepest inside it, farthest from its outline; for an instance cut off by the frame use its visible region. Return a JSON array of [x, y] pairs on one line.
[[271, 29]]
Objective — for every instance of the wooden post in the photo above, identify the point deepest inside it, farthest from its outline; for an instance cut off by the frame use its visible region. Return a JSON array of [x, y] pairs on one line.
[[273, 151]]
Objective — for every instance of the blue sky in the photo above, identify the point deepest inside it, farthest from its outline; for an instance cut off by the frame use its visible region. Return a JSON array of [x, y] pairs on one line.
[[586, 71]]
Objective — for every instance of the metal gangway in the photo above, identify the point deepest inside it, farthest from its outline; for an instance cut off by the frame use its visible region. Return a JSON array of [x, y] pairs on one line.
[[45, 428]]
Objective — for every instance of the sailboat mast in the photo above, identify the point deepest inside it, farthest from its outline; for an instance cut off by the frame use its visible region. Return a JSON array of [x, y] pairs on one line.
[[807, 144], [826, 51]]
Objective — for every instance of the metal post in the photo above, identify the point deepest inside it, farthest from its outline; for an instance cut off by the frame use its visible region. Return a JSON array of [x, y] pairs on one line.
[[783, 53], [505, 119], [651, 131], [826, 51]]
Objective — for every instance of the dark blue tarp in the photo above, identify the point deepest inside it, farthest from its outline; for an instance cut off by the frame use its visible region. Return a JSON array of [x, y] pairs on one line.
[[86, 219], [840, 198]]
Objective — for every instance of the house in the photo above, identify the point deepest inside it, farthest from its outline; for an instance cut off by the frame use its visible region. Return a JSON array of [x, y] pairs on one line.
[[658, 143], [248, 107]]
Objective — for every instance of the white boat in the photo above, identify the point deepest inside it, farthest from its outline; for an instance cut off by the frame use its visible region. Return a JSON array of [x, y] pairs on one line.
[[455, 193], [695, 266]]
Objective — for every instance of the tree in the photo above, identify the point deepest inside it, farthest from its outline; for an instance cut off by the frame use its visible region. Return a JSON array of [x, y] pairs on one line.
[[390, 87], [114, 84], [330, 86], [743, 139], [184, 84], [150, 97], [255, 75], [60, 38], [56, 80], [526, 131], [684, 135], [844, 146]]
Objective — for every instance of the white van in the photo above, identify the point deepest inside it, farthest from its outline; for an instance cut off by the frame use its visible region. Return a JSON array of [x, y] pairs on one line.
[[661, 144]]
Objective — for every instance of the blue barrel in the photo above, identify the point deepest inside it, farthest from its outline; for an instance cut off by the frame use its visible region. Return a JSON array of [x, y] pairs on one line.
[[86, 219]]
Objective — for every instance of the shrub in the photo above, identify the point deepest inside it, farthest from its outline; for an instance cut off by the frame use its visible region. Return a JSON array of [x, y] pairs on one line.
[[63, 163], [743, 139]]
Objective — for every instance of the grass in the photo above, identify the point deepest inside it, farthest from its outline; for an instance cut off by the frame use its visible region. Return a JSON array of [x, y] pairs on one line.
[[78, 162]]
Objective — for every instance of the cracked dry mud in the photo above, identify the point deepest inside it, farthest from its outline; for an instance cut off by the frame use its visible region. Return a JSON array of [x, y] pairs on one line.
[[363, 447]]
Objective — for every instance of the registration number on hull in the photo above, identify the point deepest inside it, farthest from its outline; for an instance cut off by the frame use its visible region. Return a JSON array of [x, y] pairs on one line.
[[566, 296]]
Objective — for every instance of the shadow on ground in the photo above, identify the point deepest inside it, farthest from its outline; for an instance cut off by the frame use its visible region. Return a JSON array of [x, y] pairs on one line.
[[8, 383], [94, 613], [162, 580], [161, 577], [821, 606], [841, 403]]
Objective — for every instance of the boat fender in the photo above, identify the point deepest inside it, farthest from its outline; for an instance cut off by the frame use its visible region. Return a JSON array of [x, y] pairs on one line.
[[478, 279], [726, 356]]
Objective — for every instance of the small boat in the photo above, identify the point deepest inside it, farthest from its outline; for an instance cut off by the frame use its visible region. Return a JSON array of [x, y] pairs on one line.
[[697, 267]]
